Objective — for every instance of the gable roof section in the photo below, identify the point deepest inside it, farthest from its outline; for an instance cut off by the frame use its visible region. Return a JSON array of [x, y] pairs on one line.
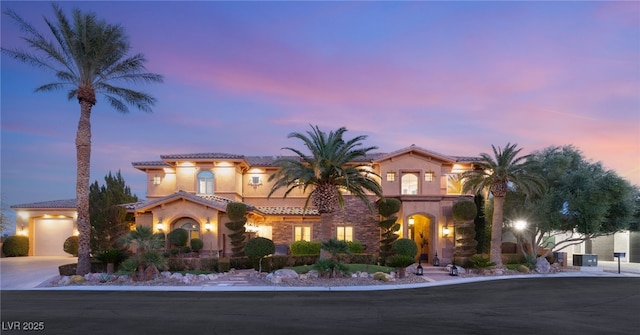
[[212, 201], [57, 204], [418, 150]]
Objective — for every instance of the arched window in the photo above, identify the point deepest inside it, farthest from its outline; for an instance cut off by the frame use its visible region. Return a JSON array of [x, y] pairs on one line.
[[205, 182], [409, 183]]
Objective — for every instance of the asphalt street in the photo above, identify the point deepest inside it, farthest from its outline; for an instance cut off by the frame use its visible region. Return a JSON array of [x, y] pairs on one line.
[[554, 305]]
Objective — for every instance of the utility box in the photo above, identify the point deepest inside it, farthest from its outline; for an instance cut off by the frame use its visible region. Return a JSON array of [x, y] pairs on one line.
[[585, 260], [560, 258]]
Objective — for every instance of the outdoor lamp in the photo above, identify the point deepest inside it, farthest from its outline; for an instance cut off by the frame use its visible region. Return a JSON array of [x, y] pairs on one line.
[[411, 221], [454, 270], [419, 270], [445, 231], [207, 225], [436, 261], [160, 225]]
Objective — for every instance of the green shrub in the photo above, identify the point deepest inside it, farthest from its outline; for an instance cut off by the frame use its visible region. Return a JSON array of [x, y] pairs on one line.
[[224, 264], [196, 244], [115, 256], [388, 206], [361, 259], [192, 264], [178, 237], [530, 261], [17, 245], [464, 210], [405, 247], [174, 251], [400, 261], [511, 258], [240, 263], [71, 245], [305, 248], [258, 248], [329, 267], [355, 247], [522, 268], [185, 249], [479, 262], [129, 266], [236, 211]]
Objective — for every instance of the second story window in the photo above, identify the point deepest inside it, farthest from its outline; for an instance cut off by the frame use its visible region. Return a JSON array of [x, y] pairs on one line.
[[429, 176], [391, 176], [409, 183], [205, 182]]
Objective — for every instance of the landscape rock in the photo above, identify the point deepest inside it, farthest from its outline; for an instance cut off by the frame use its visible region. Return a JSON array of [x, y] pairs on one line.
[[542, 265]]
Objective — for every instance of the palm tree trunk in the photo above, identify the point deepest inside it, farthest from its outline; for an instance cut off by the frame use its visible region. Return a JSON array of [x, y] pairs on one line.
[[495, 254], [326, 232], [83, 153]]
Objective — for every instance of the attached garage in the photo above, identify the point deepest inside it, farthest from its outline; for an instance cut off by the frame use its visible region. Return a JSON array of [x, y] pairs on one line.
[[49, 236], [47, 224]]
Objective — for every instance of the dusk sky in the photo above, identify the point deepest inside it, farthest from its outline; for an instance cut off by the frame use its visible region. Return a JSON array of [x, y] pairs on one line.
[[451, 77]]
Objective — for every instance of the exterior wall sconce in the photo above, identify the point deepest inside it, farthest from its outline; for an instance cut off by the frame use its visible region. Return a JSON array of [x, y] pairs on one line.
[[446, 231], [22, 231], [160, 225], [207, 225], [411, 221]]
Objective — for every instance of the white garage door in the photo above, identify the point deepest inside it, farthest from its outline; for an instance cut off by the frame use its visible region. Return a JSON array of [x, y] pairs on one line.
[[49, 236]]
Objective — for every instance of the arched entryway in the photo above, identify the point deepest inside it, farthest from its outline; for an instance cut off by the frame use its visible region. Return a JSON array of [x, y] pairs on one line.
[[190, 225], [421, 231]]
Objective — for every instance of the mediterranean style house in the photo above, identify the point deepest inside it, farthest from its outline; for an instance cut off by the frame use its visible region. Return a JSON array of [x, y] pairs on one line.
[[191, 191]]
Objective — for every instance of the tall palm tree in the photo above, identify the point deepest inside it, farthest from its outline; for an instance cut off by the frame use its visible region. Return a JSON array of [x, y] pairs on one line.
[[329, 169], [88, 56], [497, 174]]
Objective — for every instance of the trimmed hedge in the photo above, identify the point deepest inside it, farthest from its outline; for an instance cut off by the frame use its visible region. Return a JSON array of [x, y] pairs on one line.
[[405, 246], [305, 248], [16, 245], [71, 245]]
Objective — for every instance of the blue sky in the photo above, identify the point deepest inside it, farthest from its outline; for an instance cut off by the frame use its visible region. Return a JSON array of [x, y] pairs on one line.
[[452, 77]]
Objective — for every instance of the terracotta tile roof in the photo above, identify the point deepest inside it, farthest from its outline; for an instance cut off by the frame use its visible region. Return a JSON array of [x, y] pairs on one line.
[[209, 155], [211, 200], [467, 159], [150, 164], [66, 203], [282, 210]]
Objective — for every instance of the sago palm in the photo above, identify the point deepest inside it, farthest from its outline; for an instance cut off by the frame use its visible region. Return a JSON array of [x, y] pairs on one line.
[[330, 168], [497, 174], [88, 57]]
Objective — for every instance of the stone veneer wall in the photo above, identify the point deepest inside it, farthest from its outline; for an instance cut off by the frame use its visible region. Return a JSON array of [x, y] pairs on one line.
[[356, 214]]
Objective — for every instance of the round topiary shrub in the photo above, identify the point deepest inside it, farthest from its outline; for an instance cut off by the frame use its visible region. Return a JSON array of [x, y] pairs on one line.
[[388, 206], [464, 210], [16, 245], [259, 247], [196, 244], [178, 237], [236, 211], [70, 245], [405, 246]]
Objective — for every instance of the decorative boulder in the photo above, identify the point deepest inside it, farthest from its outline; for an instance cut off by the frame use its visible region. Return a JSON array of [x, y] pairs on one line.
[[542, 265]]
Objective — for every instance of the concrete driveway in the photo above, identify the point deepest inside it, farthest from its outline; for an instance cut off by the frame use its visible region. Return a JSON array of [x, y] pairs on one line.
[[29, 272]]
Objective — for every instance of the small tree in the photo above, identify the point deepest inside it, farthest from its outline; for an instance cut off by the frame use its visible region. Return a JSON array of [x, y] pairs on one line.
[[237, 212], [387, 207], [257, 248], [405, 251], [464, 212], [333, 265]]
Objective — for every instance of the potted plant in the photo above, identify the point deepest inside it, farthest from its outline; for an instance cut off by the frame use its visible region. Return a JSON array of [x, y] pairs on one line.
[[423, 244]]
